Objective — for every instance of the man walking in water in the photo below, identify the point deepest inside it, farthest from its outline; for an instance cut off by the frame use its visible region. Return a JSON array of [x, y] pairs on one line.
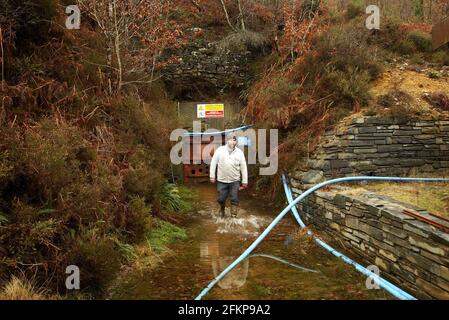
[[231, 170]]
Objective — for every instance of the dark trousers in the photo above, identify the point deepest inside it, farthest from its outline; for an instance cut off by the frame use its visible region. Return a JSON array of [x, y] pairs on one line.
[[228, 189]]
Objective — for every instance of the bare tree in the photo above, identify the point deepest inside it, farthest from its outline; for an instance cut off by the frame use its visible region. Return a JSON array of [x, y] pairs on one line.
[[241, 16], [136, 33], [223, 4], [2, 57]]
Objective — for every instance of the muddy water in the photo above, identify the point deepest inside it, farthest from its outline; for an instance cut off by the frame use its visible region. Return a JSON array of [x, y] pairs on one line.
[[215, 242]]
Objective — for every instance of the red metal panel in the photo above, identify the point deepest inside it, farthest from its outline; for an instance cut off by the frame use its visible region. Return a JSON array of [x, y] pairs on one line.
[[440, 33], [192, 170], [417, 215]]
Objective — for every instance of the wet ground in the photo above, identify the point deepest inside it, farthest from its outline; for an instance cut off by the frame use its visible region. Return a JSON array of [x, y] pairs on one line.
[[215, 242]]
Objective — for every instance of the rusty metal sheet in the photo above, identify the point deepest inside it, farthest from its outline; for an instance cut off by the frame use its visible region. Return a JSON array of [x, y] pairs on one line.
[[417, 215], [197, 170], [440, 33]]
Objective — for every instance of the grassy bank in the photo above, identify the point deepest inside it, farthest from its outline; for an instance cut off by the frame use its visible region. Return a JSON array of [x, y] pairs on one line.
[[83, 151]]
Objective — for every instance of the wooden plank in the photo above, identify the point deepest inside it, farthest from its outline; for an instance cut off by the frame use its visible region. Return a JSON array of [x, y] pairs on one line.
[[440, 33]]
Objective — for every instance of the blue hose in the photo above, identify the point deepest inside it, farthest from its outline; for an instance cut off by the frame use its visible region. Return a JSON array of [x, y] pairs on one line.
[[391, 288], [276, 220], [291, 264]]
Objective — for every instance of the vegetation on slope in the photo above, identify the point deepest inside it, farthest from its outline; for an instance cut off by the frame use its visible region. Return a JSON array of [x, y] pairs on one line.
[[326, 63], [82, 154]]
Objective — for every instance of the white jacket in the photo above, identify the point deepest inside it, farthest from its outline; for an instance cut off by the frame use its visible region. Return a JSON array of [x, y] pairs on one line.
[[230, 165]]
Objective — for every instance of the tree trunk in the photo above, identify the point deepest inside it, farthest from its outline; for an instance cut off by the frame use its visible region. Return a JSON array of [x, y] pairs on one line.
[[2, 111], [117, 49], [226, 14], [242, 18], [109, 49], [3, 58]]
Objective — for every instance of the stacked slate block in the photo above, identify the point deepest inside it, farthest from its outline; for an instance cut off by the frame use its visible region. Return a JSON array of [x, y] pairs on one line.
[[372, 228]]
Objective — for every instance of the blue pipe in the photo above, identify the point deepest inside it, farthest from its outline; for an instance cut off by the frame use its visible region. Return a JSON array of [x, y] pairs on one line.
[[218, 133], [291, 264], [295, 212], [276, 220], [388, 286]]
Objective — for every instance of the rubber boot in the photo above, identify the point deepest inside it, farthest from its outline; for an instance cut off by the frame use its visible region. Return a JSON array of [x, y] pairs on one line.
[[221, 212], [234, 211]]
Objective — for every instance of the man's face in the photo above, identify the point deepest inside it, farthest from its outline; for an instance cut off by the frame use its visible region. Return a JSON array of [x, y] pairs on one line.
[[232, 143]]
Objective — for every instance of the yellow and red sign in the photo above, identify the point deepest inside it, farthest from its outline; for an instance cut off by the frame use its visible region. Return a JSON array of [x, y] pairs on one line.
[[215, 110]]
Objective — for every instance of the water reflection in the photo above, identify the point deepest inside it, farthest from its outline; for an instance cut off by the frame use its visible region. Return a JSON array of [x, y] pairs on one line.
[[211, 255], [219, 249]]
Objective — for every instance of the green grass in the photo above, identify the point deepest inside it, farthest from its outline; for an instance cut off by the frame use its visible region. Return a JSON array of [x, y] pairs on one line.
[[433, 197], [165, 234], [3, 218], [262, 291], [176, 199], [127, 251]]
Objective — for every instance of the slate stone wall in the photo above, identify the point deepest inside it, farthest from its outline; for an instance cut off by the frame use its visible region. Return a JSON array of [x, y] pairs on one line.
[[375, 230], [200, 69], [376, 146]]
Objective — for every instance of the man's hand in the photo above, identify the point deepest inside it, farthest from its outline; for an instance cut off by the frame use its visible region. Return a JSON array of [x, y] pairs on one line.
[[212, 180], [244, 186]]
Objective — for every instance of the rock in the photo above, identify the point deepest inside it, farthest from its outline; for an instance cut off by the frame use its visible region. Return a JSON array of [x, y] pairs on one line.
[[432, 290], [426, 246], [312, 177]]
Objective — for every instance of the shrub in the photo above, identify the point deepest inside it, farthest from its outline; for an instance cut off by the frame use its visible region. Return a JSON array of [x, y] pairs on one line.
[[394, 97], [399, 105], [242, 41], [280, 92], [421, 41], [51, 155], [138, 219], [22, 289], [61, 200], [176, 199], [98, 260], [31, 20], [346, 47], [349, 64], [439, 100], [351, 85], [441, 57], [405, 46], [354, 9], [310, 7], [79, 171], [141, 178], [388, 36], [3, 218]]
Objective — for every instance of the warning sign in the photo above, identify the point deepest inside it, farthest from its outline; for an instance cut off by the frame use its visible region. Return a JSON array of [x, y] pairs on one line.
[[210, 110]]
